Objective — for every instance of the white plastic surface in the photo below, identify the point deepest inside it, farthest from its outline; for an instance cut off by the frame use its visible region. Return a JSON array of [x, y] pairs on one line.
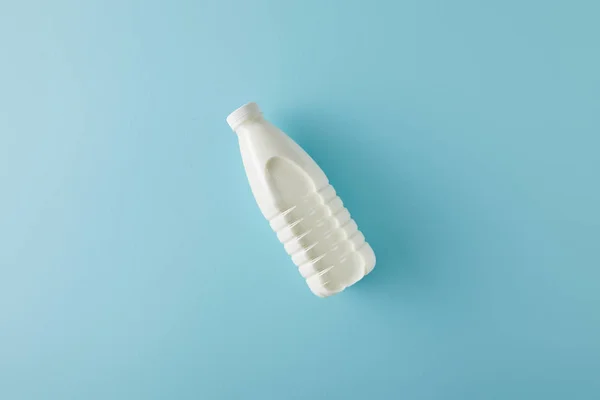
[[302, 207]]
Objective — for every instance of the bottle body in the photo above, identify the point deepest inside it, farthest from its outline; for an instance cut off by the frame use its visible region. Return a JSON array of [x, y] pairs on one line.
[[301, 206]]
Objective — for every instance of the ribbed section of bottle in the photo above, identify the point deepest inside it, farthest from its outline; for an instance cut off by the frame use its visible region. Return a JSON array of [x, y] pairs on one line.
[[324, 241]]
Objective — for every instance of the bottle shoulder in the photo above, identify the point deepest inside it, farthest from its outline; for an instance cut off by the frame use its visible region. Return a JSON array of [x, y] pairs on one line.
[[277, 167]]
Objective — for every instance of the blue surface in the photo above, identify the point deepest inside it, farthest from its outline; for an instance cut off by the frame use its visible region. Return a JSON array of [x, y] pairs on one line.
[[464, 138]]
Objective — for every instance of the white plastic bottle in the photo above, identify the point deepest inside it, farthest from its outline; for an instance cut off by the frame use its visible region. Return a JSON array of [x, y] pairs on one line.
[[302, 207]]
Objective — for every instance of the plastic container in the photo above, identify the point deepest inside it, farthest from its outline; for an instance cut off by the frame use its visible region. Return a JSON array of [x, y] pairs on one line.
[[302, 207]]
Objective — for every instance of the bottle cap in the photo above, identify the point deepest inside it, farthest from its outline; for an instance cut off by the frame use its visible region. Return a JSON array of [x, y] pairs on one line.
[[242, 114]]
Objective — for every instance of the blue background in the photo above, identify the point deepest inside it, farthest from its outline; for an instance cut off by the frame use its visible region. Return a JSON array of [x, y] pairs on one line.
[[463, 136]]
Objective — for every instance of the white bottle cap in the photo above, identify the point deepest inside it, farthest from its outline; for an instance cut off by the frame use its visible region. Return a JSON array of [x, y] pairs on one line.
[[242, 114]]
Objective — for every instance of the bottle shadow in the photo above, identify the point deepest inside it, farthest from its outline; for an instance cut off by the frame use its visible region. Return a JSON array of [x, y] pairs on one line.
[[393, 210]]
